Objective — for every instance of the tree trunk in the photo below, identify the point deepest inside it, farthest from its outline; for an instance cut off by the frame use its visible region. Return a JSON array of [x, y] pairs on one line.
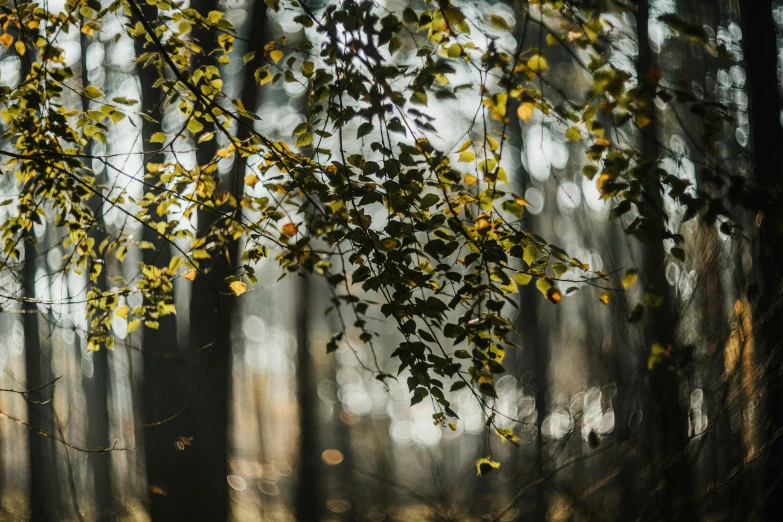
[[307, 503], [43, 493], [204, 490], [96, 387], [164, 391], [669, 439], [761, 66]]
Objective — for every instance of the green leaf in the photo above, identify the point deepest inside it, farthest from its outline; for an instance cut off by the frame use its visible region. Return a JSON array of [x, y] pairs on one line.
[[304, 140], [573, 134], [92, 92], [589, 171], [429, 200], [530, 255], [499, 22], [364, 129]]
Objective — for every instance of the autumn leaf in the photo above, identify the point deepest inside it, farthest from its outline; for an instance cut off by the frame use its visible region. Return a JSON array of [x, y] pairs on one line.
[[467, 156], [486, 465], [483, 225], [290, 230], [122, 312], [389, 243], [629, 278], [537, 63], [525, 111], [238, 287], [190, 275], [251, 180], [6, 39]]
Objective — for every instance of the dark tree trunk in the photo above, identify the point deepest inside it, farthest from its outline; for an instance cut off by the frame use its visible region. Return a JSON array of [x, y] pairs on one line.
[[668, 421], [43, 476], [203, 465], [43, 492], [307, 503], [534, 328], [761, 65], [164, 388], [96, 387]]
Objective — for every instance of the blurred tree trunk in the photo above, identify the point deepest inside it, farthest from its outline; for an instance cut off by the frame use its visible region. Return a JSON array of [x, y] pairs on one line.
[[96, 386], [534, 356], [761, 65], [307, 503], [44, 493], [204, 467], [256, 37], [669, 422], [164, 391]]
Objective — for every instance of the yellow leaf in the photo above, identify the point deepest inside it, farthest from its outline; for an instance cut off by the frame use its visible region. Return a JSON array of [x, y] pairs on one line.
[[6, 39], [251, 180], [132, 325], [158, 137], [525, 111], [207, 136], [276, 55], [19, 46], [486, 465], [122, 312], [493, 144], [195, 126], [471, 180], [604, 298], [190, 275], [630, 278], [467, 156], [238, 287], [483, 225], [465, 146], [538, 63]]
